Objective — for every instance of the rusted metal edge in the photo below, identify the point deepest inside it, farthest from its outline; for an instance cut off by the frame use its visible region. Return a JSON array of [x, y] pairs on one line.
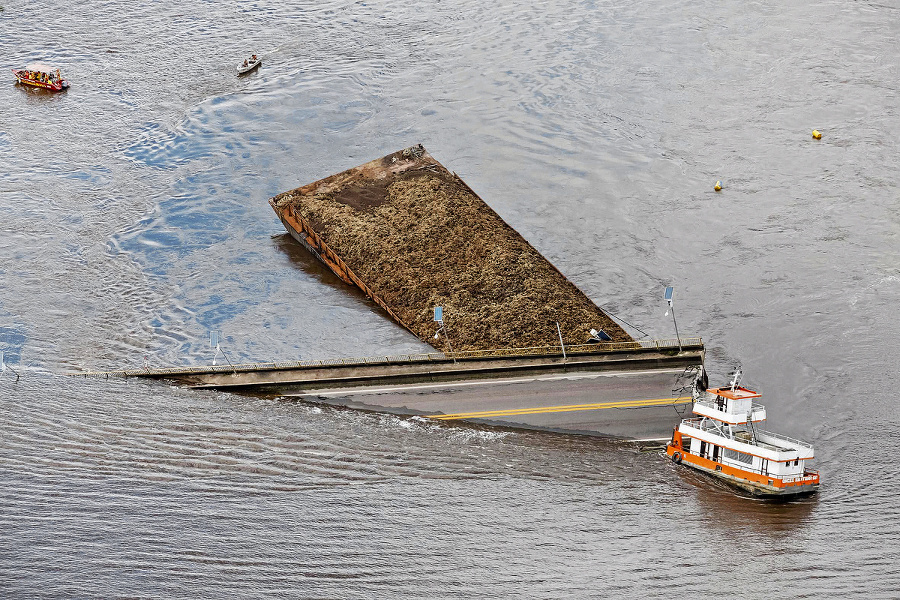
[[292, 219]]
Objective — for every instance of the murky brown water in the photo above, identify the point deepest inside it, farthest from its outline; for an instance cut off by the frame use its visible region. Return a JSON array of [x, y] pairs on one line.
[[134, 220]]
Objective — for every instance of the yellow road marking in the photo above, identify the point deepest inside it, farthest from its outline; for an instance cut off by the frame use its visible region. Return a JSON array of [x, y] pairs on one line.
[[566, 408]]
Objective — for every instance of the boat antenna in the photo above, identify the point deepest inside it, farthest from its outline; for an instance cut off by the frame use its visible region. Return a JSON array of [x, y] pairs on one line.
[[735, 378]]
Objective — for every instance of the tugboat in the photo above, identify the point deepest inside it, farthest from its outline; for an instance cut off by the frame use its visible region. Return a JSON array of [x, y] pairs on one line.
[[726, 442], [41, 77]]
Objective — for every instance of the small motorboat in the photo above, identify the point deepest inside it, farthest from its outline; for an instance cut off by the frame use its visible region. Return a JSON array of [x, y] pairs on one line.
[[41, 77], [248, 65], [725, 441]]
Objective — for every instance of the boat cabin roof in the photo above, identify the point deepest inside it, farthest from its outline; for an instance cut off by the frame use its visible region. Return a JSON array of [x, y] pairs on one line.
[[739, 393]]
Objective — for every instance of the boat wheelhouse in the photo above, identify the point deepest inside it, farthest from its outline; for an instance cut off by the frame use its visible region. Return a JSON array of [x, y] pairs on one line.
[[41, 77], [725, 441]]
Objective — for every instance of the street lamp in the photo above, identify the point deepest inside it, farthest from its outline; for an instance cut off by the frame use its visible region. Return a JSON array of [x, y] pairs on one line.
[[214, 343], [670, 293], [439, 318]]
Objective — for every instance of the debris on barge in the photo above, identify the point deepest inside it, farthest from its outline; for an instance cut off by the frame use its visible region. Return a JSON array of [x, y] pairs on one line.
[[413, 236]]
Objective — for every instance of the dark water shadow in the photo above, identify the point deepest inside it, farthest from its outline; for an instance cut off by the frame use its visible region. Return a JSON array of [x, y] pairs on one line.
[[729, 508], [303, 259], [37, 94], [248, 74]]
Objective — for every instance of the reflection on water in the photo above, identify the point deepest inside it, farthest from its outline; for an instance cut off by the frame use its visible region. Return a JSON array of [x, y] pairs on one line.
[[736, 513], [36, 94], [135, 219], [307, 264]]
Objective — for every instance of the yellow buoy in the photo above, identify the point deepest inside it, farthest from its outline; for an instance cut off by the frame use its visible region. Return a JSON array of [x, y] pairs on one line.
[[817, 134], [718, 187]]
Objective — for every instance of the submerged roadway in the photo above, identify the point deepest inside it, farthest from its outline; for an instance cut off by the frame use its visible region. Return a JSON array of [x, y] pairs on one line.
[[643, 405]]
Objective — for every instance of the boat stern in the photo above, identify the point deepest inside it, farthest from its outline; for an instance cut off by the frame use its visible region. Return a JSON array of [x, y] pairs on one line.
[[786, 489]]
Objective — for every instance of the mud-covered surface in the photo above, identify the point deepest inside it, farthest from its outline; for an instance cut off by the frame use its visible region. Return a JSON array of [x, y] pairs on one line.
[[420, 238]]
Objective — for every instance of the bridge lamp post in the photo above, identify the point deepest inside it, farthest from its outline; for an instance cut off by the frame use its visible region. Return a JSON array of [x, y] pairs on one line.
[[439, 318], [670, 293]]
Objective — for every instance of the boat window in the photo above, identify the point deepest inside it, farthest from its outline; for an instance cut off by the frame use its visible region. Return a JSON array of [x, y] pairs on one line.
[[738, 456]]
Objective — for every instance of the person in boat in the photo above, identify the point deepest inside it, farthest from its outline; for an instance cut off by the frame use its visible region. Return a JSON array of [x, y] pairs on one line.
[[253, 58], [245, 62]]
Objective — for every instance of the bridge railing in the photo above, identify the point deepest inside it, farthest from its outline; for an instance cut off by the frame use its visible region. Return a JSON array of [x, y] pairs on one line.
[[581, 349]]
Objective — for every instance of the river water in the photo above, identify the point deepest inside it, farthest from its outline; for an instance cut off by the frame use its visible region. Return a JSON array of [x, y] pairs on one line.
[[135, 221]]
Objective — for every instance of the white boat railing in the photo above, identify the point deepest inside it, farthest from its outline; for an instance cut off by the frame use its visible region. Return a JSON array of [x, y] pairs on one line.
[[783, 438], [762, 438], [755, 409], [698, 422]]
